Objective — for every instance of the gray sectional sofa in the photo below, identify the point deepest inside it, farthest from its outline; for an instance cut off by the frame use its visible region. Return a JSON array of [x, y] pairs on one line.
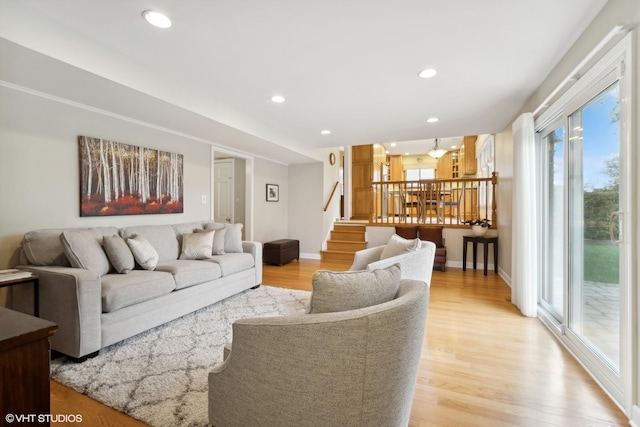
[[90, 286]]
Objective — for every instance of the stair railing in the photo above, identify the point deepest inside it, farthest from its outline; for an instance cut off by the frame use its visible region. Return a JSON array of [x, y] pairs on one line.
[[326, 205]]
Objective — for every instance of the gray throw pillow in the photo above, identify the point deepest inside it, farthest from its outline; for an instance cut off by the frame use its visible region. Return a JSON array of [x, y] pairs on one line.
[[197, 245], [143, 252], [233, 238], [218, 237], [350, 290], [84, 250], [119, 254], [399, 245]]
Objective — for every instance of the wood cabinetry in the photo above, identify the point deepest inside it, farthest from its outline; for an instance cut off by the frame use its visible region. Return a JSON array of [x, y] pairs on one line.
[[396, 173], [468, 165], [448, 165], [24, 363], [361, 177]]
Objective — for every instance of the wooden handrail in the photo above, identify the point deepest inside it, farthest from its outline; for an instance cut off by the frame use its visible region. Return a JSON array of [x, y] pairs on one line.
[[448, 202], [326, 205]]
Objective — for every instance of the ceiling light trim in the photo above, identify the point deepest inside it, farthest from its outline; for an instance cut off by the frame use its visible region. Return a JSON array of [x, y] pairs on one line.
[[157, 19]]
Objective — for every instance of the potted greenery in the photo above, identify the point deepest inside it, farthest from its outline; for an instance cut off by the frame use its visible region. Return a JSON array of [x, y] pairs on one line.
[[479, 227]]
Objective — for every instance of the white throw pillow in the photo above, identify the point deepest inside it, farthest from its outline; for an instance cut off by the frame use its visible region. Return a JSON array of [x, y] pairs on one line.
[[197, 245], [350, 290], [399, 245], [143, 252]]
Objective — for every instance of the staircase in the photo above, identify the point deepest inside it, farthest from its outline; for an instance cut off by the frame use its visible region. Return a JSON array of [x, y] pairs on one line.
[[345, 240]]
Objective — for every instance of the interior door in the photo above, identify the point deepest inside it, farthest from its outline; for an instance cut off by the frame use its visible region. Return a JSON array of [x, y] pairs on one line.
[[223, 206]]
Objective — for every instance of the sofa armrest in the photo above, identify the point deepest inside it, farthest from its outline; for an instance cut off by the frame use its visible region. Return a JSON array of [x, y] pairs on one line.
[[416, 265], [255, 249], [70, 297], [364, 257]]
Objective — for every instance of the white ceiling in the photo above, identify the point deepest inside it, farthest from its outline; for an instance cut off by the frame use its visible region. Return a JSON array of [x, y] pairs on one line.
[[346, 65]]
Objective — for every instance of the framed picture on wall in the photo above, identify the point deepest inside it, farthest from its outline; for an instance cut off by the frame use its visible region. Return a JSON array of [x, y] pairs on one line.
[[273, 193], [123, 179]]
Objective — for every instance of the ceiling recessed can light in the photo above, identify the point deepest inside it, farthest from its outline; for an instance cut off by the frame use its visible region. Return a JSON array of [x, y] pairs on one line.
[[156, 19], [393, 144], [277, 98], [429, 72], [433, 120], [325, 132]]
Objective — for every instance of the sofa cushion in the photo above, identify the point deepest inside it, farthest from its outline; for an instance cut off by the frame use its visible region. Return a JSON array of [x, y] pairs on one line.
[[123, 290], [186, 228], [233, 238], [431, 234], [118, 253], [228, 237], [144, 253], [233, 262], [197, 245], [83, 247], [43, 247], [190, 272], [408, 232], [350, 290], [397, 245], [162, 237]]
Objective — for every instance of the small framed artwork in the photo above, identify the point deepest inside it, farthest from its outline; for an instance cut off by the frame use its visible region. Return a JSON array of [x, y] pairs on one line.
[[273, 193]]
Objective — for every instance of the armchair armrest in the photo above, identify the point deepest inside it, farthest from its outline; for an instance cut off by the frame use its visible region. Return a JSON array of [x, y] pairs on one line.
[[70, 297]]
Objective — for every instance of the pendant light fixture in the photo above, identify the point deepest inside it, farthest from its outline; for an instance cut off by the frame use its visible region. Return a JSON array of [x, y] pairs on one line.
[[436, 152]]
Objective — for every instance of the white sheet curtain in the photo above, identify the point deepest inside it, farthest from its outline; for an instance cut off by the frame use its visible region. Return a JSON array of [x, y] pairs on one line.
[[524, 257]]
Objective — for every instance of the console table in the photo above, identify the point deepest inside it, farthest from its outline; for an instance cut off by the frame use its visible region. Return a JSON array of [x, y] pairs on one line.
[[33, 278], [485, 242], [24, 363]]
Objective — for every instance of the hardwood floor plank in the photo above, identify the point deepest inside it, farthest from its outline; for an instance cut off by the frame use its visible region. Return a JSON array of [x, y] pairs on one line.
[[483, 363]]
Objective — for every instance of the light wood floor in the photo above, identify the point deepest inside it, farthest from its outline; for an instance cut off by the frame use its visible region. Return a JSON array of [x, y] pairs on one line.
[[483, 364]]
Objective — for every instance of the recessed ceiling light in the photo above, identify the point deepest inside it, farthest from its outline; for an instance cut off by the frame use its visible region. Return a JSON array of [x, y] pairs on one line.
[[156, 19], [326, 132], [393, 144], [432, 120], [429, 72], [406, 154], [277, 98], [454, 146]]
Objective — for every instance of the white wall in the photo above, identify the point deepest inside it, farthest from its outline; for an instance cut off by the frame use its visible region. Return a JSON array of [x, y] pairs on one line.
[[504, 197], [270, 219]]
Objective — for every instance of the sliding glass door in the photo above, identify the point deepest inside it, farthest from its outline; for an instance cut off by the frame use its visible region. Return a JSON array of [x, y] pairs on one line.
[[586, 203], [552, 292], [594, 234]]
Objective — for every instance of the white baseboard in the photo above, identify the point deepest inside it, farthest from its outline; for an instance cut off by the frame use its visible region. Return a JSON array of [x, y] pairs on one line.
[[635, 416], [310, 255]]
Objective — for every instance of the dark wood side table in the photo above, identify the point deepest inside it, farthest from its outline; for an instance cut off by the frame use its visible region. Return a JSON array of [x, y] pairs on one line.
[[36, 289], [24, 364], [485, 241]]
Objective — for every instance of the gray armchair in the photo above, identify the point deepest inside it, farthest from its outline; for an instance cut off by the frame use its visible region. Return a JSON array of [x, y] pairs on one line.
[[350, 368]]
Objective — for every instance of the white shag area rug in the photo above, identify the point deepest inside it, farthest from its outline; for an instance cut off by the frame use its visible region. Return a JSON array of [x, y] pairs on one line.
[[160, 376]]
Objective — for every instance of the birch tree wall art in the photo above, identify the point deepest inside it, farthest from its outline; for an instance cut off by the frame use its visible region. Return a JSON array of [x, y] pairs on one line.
[[122, 179]]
